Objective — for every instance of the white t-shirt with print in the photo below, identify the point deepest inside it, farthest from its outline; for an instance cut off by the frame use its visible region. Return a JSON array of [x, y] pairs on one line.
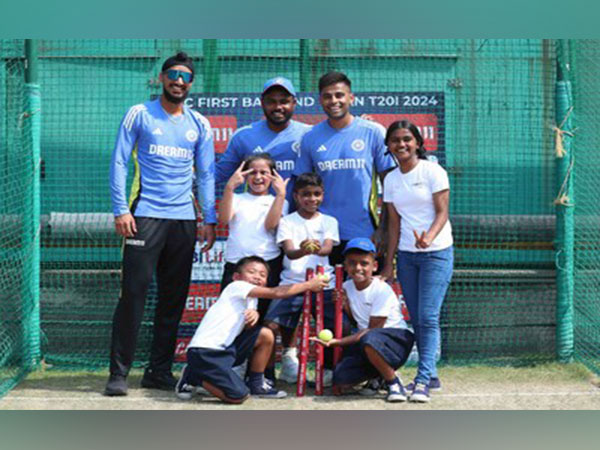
[[224, 320], [296, 228], [376, 300], [412, 195], [247, 233]]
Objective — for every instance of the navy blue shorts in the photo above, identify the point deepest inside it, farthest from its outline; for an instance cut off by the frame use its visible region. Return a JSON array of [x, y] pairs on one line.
[[286, 312], [214, 366], [392, 344]]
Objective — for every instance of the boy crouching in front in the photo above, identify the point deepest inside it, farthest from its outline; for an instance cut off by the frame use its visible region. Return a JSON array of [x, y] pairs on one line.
[[228, 335], [383, 343]]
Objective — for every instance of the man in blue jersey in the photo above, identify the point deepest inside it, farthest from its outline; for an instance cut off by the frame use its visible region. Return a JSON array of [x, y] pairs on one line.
[[348, 152], [277, 134], [159, 223]]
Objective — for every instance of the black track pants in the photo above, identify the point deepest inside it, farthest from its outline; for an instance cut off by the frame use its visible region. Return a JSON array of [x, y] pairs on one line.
[[167, 247]]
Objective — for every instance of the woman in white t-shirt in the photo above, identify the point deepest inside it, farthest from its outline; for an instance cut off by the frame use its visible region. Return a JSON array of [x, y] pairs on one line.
[[416, 195], [253, 217]]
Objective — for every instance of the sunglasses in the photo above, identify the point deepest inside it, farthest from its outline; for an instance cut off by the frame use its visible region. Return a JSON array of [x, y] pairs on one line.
[[174, 75]]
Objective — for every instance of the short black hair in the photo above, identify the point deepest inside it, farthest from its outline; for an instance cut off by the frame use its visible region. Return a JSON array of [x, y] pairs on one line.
[[256, 156], [308, 179], [334, 77], [250, 259]]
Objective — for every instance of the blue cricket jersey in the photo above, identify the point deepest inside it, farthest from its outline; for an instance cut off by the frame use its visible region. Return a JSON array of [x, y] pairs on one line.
[[348, 160], [259, 138], [165, 150]]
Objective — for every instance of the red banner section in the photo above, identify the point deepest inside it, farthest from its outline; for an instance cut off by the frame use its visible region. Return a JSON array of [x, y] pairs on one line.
[[200, 298], [223, 128], [426, 123]]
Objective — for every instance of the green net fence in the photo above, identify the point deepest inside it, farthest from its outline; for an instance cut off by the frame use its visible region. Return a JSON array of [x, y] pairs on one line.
[[584, 56], [19, 328], [486, 108]]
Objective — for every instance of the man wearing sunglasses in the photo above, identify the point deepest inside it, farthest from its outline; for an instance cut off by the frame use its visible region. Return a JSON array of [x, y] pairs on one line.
[[169, 142]]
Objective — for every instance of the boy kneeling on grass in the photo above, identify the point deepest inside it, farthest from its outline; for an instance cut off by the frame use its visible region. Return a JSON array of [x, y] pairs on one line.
[[228, 335], [383, 343]]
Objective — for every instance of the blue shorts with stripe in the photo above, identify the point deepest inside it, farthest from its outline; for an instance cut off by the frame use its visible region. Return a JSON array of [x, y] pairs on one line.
[[392, 344], [214, 366]]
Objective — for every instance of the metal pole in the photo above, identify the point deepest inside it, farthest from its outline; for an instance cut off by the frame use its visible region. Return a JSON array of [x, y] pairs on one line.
[[565, 201], [211, 65], [31, 241]]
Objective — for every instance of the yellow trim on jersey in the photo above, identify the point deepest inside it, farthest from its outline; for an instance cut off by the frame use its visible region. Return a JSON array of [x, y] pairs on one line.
[[136, 184], [373, 197]]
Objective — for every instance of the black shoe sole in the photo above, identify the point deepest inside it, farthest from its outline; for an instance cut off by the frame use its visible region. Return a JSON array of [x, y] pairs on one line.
[[147, 384], [108, 393]]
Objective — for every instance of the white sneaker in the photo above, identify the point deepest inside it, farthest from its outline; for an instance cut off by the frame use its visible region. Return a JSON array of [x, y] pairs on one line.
[[201, 391], [396, 393], [289, 369], [327, 379]]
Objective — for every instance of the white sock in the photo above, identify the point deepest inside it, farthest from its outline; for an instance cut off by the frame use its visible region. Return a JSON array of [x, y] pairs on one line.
[[290, 352]]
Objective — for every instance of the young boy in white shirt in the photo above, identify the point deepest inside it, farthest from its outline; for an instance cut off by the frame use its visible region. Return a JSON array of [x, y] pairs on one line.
[[307, 237], [383, 343], [228, 335]]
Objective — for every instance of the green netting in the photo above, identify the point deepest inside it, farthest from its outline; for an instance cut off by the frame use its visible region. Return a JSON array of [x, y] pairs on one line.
[[18, 289], [585, 73], [489, 105]]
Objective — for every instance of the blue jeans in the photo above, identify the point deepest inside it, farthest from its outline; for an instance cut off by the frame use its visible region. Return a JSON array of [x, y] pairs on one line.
[[424, 278]]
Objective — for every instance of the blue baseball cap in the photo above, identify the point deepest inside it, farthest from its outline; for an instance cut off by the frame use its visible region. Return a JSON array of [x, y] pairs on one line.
[[361, 243], [279, 81]]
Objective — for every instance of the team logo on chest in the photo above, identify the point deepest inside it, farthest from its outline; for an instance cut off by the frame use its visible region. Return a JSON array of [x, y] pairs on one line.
[[191, 135], [358, 145], [296, 147]]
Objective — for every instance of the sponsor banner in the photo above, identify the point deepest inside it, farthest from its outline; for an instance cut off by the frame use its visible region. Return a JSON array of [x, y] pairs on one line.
[[181, 348], [208, 267], [223, 128], [200, 298], [228, 111]]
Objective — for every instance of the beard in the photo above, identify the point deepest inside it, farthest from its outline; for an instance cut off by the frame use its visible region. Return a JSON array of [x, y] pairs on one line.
[[172, 99], [286, 117]]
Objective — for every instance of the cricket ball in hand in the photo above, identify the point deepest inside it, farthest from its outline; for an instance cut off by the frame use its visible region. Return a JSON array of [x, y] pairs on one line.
[[311, 246], [324, 277], [325, 335]]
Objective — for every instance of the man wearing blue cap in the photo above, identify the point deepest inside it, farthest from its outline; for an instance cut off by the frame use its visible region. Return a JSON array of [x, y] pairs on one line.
[[277, 134]]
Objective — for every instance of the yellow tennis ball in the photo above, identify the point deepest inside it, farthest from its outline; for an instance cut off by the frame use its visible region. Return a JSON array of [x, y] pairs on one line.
[[324, 277], [311, 246], [325, 335]]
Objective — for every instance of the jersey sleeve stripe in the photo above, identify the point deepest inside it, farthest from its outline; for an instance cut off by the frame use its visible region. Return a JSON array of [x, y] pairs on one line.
[[131, 115], [205, 123]]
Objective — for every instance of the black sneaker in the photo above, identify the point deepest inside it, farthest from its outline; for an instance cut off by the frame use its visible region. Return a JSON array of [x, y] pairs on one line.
[[116, 386], [372, 387], [165, 381], [183, 389]]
